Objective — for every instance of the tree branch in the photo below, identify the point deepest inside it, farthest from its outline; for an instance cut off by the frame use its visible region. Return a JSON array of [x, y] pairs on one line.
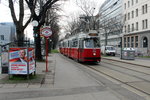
[[21, 16], [11, 6]]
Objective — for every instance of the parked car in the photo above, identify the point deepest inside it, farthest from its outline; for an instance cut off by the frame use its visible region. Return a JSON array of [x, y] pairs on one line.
[[108, 50]]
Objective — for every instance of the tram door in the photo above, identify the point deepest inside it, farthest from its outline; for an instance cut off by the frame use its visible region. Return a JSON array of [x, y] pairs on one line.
[[81, 49]]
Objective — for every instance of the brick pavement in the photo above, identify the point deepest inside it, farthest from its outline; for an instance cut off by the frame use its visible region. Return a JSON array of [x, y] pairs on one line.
[[44, 79]]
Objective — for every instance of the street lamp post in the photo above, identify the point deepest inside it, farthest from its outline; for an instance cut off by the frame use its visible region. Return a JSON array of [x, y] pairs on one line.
[[35, 24]]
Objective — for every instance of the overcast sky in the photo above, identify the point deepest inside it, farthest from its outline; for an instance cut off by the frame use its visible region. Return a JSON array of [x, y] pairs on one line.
[[69, 8]]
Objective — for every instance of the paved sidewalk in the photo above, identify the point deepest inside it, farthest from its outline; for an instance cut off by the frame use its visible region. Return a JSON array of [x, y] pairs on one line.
[[141, 62], [43, 80]]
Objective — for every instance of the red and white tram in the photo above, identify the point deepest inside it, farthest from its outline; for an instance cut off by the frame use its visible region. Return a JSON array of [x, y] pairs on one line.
[[82, 47]]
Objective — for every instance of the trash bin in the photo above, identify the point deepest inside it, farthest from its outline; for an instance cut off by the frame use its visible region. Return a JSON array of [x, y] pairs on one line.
[[128, 54]]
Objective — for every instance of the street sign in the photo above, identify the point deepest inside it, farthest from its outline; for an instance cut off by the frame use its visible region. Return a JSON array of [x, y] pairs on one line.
[[46, 32]]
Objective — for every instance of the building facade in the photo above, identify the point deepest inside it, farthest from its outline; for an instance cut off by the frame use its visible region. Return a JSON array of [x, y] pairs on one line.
[[136, 30], [7, 33], [110, 28]]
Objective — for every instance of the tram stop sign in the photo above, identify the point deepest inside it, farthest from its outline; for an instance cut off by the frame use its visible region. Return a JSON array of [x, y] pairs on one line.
[[46, 32]]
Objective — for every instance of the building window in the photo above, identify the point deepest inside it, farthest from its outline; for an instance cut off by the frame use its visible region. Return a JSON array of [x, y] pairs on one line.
[[128, 4], [145, 24], [124, 5], [132, 2], [125, 29], [132, 27], [145, 42], [128, 42], [125, 17], [137, 12], [125, 42], [132, 41], [132, 14], [136, 41], [137, 26], [2, 37], [128, 16], [128, 28], [144, 9]]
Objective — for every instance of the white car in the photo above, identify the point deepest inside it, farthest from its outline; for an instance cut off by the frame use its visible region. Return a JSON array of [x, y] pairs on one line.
[[108, 50]]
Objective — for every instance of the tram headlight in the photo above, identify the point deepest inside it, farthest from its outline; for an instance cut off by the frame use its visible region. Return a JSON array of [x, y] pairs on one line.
[[94, 54]]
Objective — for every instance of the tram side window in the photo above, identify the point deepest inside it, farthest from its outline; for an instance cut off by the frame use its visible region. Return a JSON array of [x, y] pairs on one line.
[[80, 43], [75, 43]]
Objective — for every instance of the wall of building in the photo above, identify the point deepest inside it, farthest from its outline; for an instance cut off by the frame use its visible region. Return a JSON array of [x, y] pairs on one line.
[[137, 24], [7, 33], [135, 20], [110, 22]]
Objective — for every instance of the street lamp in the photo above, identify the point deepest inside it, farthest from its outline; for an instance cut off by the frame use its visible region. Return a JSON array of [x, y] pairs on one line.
[[35, 24]]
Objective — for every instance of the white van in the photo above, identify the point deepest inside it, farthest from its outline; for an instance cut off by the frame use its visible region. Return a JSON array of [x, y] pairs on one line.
[[108, 50]]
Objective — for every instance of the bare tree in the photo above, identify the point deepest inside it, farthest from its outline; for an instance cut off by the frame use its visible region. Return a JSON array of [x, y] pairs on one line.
[[87, 6], [52, 20], [73, 25], [112, 26], [38, 14], [88, 19], [19, 20]]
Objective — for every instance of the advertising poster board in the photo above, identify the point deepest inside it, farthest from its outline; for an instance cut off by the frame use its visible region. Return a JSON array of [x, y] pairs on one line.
[[18, 61], [31, 60], [4, 57], [0, 67]]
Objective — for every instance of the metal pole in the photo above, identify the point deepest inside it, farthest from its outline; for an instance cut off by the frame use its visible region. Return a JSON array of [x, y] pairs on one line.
[[120, 47], [35, 30], [46, 54]]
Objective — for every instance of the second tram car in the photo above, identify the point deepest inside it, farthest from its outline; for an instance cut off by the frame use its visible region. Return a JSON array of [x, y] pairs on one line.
[[82, 47]]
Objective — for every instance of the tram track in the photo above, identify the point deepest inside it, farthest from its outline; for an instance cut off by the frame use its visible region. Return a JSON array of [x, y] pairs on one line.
[[126, 80], [120, 80], [127, 71], [126, 62], [132, 67], [99, 68]]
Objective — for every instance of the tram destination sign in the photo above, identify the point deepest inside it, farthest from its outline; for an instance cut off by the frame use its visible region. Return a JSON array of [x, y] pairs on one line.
[[93, 34]]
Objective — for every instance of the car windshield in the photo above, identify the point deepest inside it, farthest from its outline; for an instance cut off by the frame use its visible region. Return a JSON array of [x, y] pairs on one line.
[[92, 43], [110, 48]]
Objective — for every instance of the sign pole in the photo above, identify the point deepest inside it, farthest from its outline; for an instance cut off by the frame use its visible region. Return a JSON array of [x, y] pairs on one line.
[[46, 32], [46, 54]]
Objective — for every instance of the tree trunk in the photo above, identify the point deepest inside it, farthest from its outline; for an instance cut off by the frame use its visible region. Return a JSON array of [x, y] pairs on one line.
[[38, 47], [20, 38]]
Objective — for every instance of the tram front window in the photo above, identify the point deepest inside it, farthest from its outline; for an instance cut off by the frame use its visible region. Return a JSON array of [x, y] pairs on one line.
[[92, 43]]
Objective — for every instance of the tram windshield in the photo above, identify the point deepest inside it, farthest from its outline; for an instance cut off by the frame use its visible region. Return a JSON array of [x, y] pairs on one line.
[[92, 43]]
